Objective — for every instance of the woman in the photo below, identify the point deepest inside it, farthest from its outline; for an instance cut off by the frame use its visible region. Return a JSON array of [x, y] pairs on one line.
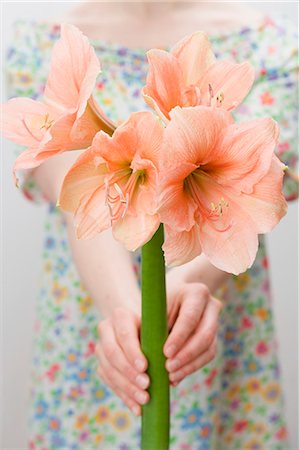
[[211, 408]]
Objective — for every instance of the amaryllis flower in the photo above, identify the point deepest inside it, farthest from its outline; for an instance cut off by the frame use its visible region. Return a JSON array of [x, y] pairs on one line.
[[114, 183], [220, 186], [68, 117], [189, 75]]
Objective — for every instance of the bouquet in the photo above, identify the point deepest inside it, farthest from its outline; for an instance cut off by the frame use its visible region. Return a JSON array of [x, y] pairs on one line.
[[181, 180]]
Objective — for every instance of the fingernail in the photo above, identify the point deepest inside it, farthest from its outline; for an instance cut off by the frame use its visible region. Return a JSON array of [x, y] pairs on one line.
[[142, 380], [140, 365], [141, 397], [170, 350], [172, 364], [135, 410], [175, 377]]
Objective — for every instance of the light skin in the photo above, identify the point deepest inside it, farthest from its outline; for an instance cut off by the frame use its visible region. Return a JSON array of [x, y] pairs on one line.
[[105, 267]]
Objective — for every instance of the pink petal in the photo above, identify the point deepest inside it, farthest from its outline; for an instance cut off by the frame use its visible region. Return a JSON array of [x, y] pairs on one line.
[[145, 197], [54, 141], [234, 250], [195, 55], [140, 135], [74, 68], [227, 235], [192, 135], [135, 231], [175, 206], [118, 150], [59, 139], [85, 128], [154, 105], [82, 180], [67, 133], [164, 83], [244, 154], [22, 121], [231, 242], [180, 248], [93, 215], [149, 131], [106, 124], [230, 80], [266, 205], [26, 160]]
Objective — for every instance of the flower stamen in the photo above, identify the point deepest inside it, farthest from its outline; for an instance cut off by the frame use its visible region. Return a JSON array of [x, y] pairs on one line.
[[192, 95], [218, 209], [118, 204], [220, 99], [47, 122], [120, 193], [127, 205], [211, 93], [215, 212], [111, 201]]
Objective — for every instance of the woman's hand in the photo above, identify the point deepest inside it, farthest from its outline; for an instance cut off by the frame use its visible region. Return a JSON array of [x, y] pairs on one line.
[[122, 364], [193, 316], [193, 319]]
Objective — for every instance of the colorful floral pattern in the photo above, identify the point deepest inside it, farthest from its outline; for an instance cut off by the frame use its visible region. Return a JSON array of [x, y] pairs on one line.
[[235, 402]]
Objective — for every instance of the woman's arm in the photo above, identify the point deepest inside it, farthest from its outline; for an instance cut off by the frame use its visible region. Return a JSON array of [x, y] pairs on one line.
[[104, 265], [105, 269], [199, 270]]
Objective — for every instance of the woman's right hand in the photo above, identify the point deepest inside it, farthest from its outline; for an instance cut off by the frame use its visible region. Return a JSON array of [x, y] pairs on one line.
[[122, 364]]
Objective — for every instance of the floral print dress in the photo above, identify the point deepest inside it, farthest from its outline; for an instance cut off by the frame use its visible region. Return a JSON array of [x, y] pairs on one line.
[[236, 401]]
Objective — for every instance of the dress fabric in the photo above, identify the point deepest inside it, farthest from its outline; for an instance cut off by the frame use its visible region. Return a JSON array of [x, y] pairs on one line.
[[236, 401]]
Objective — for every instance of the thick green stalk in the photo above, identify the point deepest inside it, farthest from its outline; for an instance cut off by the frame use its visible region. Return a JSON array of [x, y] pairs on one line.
[[154, 331]]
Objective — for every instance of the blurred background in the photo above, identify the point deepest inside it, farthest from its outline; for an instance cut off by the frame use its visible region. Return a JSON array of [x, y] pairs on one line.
[[22, 232]]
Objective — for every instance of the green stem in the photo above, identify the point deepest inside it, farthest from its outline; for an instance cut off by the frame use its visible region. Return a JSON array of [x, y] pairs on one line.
[[154, 331]]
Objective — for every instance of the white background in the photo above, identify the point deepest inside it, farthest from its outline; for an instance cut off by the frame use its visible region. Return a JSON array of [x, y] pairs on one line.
[[21, 251]]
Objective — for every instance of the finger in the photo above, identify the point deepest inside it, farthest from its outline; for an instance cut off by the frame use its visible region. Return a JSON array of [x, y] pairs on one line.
[[118, 381], [114, 354], [172, 313], [189, 316], [199, 362], [126, 329], [201, 340], [131, 404], [134, 407]]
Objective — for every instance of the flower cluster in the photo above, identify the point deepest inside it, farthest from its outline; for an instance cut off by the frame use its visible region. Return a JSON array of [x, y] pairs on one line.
[[213, 183]]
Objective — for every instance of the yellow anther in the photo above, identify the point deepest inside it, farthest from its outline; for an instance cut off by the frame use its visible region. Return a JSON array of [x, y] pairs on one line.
[[219, 208], [47, 122], [220, 98]]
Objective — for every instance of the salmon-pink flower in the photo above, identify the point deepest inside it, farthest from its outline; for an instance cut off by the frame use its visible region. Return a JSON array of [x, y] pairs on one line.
[[68, 117], [189, 75], [114, 183], [220, 186]]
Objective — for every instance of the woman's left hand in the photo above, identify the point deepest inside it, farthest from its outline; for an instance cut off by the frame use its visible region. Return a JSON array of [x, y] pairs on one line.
[[193, 316]]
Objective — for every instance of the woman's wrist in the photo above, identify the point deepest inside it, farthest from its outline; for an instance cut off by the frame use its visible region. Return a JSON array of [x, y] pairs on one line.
[[128, 300], [105, 270], [199, 270]]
